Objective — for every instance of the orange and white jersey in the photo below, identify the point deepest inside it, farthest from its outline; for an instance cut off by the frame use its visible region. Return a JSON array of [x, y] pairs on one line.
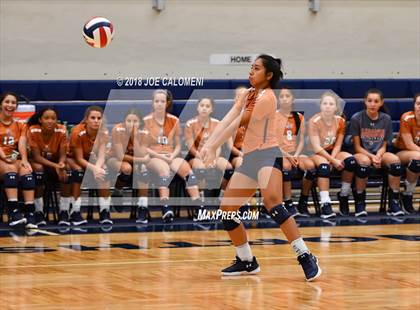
[[80, 139], [287, 132], [408, 125], [51, 148], [327, 133], [161, 138], [121, 135], [258, 120], [198, 133], [10, 135]]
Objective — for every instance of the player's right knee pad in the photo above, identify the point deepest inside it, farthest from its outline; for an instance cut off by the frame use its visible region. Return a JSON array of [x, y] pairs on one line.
[[323, 171], [77, 176], [310, 174], [362, 171], [231, 224], [414, 166], [39, 178], [228, 174], [11, 180], [164, 181], [350, 164], [200, 174], [287, 175], [279, 214]]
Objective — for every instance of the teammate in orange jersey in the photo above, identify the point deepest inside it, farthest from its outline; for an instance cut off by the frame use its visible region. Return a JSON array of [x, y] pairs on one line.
[[196, 133], [372, 131], [87, 158], [164, 147], [408, 144], [255, 110], [128, 154], [291, 141], [48, 143], [326, 133], [15, 169]]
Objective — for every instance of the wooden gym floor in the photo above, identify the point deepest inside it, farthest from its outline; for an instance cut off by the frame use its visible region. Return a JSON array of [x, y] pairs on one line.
[[364, 267]]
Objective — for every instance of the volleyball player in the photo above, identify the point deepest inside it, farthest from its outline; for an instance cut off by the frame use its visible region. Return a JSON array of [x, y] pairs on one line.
[[15, 170], [48, 143], [408, 145], [372, 131], [87, 158], [255, 111]]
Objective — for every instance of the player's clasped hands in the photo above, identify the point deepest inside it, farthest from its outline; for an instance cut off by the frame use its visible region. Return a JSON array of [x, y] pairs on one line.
[[208, 155]]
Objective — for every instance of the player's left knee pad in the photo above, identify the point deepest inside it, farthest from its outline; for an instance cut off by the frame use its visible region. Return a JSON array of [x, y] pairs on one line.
[[350, 164], [310, 174], [414, 166], [229, 225], [395, 170], [27, 182], [191, 180], [144, 176], [279, 214], [125, 178], [287, 175], [362, 171], [227, 175], [164, 181], [39, 178], [323, 171]]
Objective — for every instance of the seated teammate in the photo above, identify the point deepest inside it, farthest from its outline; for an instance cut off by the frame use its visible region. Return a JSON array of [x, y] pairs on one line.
[[88, 142], [197, 131], [372, 130], [326, 133], [15, 169], [129, 153], [408, 145], [291, 137], [47, 141], [164, 147]]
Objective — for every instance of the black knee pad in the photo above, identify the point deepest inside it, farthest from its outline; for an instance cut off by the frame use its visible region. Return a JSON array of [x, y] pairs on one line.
[[229, 225], [362, 171], [164, 181], [414, 166], [310, 174], [125, 178], [11, 180], [27, 182], [395, 170], [77, 176], [191, 180], [287, 175], [323, 171], [279, 214], [350, 164], [39, 178], [228, 174], [68, 181]]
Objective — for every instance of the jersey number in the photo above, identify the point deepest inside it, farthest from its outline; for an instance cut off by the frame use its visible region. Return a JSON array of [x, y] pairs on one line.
[[8, 140], [162, 140]]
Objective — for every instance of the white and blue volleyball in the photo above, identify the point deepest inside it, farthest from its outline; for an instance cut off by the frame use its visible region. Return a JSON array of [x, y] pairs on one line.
[[98, 32]]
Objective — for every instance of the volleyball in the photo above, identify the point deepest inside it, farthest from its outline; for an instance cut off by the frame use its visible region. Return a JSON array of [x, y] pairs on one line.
[[98, 32]]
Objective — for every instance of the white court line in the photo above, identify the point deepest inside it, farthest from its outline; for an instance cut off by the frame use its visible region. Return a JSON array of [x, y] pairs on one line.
[[142, 262], [45, 232]]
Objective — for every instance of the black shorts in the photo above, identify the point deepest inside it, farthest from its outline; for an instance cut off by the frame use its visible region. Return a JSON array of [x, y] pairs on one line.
[[254, 161]]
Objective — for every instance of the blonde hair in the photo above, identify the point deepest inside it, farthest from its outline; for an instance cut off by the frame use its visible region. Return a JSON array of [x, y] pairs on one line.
[[336, 99]]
